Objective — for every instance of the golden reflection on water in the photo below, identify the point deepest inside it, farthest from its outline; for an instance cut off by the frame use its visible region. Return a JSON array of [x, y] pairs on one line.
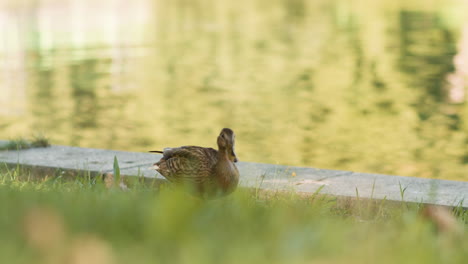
[[328, 84]]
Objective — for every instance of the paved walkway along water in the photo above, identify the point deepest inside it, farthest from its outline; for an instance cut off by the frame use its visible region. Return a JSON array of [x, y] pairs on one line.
[[254, 175]]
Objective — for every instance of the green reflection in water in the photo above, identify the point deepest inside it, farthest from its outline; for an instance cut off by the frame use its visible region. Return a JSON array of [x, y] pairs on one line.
[[325, 84]]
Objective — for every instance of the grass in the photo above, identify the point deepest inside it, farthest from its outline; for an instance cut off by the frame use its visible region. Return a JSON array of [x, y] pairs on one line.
[[21, 143], [82, 221]]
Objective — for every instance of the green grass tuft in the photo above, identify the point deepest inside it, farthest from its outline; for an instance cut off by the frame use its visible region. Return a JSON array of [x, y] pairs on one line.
[[21, 143], [40, 142]]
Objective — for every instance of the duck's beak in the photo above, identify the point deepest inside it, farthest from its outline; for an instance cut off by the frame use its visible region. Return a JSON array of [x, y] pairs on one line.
[[233, 153]]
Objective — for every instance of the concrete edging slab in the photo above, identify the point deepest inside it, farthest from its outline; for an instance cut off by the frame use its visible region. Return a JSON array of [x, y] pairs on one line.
[[253, 175]]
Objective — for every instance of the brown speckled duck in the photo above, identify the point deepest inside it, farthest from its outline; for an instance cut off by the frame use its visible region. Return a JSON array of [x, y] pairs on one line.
[[206, 171]]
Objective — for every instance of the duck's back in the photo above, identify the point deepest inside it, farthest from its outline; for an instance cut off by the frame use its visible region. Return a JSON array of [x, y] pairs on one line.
[[188, 164]]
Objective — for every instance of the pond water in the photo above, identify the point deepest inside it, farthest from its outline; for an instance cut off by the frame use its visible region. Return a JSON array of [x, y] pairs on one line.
[[369, 86]]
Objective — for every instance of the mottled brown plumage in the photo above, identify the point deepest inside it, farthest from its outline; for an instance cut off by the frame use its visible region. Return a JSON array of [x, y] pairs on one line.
[[206, 171]]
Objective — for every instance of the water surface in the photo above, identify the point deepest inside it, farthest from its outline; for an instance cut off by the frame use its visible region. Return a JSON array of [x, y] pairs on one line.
[[370, 86]]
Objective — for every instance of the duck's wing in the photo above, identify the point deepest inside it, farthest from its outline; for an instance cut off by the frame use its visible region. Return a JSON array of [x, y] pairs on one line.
[[190, 152], [187, 163]]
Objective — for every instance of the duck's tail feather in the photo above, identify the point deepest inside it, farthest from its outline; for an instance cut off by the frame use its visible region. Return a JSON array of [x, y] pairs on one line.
[[156, 151], [154, 167]]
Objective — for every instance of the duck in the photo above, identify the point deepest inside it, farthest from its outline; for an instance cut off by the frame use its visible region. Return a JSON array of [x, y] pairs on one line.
[[206, 172]]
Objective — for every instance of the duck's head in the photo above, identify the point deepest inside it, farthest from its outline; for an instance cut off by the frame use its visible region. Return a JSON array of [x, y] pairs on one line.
[[226, 140]]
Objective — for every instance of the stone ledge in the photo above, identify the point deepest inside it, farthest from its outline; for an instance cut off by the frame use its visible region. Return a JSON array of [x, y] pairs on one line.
[[75, 161]]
